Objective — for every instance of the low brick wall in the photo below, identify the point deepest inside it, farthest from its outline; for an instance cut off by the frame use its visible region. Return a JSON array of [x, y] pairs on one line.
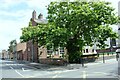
[[53, 61]]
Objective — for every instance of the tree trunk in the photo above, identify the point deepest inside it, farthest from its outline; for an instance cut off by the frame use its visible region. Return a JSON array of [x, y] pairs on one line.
[[74, 52]]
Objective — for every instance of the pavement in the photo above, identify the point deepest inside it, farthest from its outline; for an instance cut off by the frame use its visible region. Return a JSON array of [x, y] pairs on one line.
[[38, 66]]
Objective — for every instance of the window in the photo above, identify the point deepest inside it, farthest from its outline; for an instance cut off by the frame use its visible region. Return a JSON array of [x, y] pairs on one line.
[[92, 50], [61, 50], [86, 50]]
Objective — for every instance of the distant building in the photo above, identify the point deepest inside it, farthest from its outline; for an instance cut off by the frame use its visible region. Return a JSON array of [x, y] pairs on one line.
[[114, 44], [24, 51], [4, 54]]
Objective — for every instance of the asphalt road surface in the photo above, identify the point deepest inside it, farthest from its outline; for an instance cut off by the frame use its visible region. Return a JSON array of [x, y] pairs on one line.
[[11, 69]]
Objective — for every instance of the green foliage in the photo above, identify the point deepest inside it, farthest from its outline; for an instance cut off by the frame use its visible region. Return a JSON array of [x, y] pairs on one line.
[[74, 25], [85, 23], [12, 45]]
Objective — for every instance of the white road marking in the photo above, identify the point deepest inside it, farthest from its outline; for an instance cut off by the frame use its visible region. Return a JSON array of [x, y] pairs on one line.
[[55, 76], [14, 64], [57, 72], [25, 70], [35, 76], [19, 73], [16, 71], [100, 73], [84, 74]]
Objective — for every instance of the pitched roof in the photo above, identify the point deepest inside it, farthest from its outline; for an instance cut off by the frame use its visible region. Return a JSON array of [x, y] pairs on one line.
[[41, 21]]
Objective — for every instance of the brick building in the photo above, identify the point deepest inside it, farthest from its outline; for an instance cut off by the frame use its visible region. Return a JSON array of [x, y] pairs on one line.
[[24, 51], [42, 51], [28, 51]]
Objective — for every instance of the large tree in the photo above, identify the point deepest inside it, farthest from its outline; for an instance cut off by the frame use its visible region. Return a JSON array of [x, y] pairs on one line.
[[75, 25]]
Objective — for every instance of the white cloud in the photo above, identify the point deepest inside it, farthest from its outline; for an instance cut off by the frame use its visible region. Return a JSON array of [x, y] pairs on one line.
[[30, 3], [11, 29], [18, 14], [6, 3], [38, 3]]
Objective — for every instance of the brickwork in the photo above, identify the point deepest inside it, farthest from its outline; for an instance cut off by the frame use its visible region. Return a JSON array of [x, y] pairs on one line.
[[57, 61], [24, 51]]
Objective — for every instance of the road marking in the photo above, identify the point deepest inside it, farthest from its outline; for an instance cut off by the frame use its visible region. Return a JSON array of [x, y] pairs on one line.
[[11, 67], [101, 73], [24, 69], [57, 72], [55, 76], [84, 74], [38, 75], [16, 71], [19, 73]]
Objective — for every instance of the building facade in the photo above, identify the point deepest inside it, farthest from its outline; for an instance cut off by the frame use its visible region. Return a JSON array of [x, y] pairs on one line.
[[24, 51], [4, 54], [42, 51]]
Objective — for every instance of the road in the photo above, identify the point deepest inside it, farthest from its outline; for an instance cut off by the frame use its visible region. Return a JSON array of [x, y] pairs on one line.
[[11, 69]]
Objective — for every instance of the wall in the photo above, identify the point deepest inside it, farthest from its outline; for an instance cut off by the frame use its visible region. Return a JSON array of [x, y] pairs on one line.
[[24, 51]]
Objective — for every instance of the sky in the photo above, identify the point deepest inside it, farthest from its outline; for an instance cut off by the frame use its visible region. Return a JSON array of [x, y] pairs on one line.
[[16, 14]]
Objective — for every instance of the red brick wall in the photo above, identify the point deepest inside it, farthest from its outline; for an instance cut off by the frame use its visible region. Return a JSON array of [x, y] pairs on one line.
[[33, 23], [29, 51], [24, 51]]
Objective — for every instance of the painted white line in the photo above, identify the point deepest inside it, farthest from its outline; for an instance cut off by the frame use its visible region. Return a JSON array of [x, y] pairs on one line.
[[84, 74], [11, 67], [25, 70], [59, 72], [35, 76], [19, 73], [56, 72], [16, 71], [55, 76]]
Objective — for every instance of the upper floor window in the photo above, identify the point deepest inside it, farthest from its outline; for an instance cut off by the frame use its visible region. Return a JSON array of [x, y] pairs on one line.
[[92, 50], [86, 50]]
